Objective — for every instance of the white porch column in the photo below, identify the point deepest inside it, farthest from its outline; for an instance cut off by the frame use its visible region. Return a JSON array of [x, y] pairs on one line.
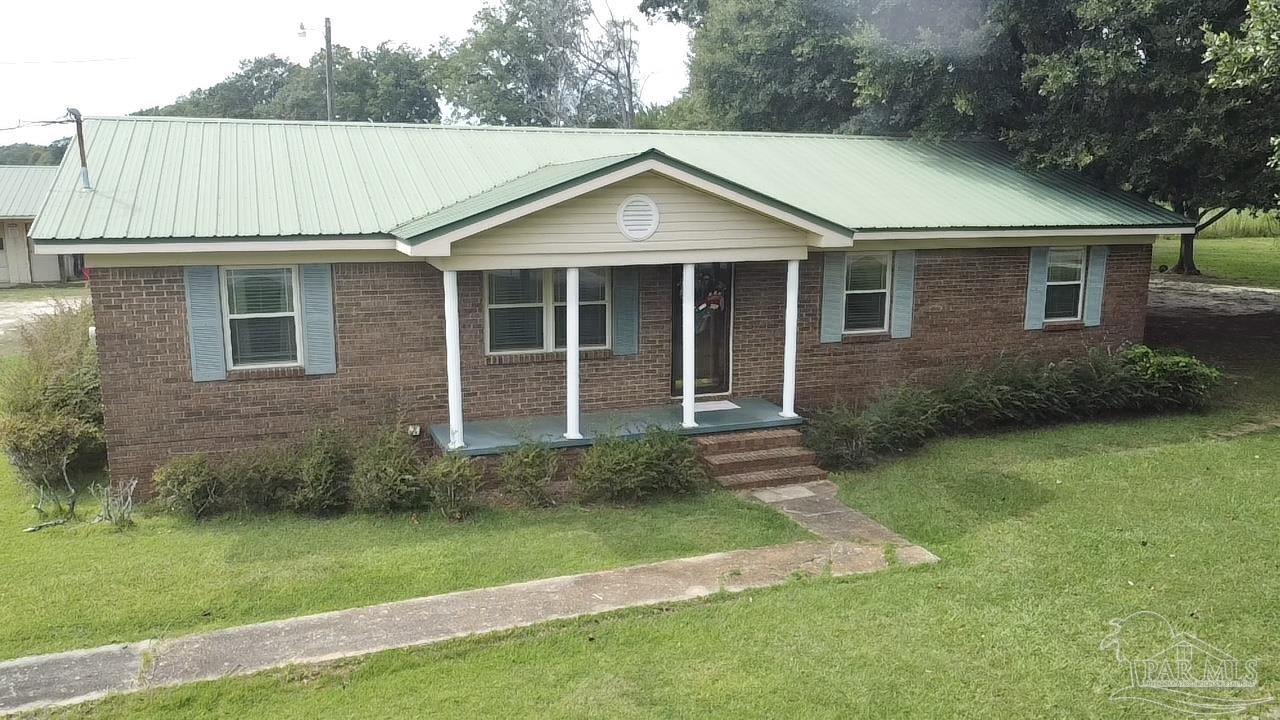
[[571, 287], [789, 348], [688, 374], [453, 358]]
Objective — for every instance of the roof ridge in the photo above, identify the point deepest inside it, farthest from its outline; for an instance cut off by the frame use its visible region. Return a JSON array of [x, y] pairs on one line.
[[544, 130]]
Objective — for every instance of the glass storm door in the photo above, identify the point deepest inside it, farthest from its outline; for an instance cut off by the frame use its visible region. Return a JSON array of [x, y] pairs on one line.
[[712, 321]]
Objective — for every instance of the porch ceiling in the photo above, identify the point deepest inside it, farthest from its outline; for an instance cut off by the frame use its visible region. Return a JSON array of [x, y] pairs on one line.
[[492, 437]]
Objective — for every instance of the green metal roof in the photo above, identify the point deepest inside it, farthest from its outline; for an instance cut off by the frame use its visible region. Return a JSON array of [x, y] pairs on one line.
[[525, 186], [23, 189], [176, 178]]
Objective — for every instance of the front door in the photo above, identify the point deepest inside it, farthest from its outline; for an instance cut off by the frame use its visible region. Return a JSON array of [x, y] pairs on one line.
[[712, 323]]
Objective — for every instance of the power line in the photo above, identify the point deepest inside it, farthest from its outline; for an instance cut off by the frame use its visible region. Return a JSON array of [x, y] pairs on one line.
[[36, 123], [66, 62]]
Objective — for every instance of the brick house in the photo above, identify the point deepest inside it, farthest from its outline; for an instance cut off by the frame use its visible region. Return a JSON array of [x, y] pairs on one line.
[[251, 278]]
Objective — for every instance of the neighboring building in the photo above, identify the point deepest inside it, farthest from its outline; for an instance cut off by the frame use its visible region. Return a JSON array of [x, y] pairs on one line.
[[23, 189], [252, 278]]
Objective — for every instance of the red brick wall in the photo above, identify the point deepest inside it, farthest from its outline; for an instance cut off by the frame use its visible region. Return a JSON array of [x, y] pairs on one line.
[[969, 308]]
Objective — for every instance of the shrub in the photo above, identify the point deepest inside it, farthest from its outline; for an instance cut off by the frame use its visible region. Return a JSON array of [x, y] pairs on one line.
[[388, 475], [1172, 380], [260, 480], [51, 401], [189, 485], [660, 462], [527, 472], [324, 474], [453, 481], [1137, 379]]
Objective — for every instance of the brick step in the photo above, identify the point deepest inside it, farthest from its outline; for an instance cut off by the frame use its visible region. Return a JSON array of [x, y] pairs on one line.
[[751, 460], [750, 440], [772, 478]]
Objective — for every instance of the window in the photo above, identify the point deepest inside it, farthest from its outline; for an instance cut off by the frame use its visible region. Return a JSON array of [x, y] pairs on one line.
[[520, 318], [866, 292], [260, 311], [1065, 287]]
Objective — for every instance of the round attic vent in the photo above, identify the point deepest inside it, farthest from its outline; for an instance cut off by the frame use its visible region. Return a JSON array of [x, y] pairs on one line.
[[638, 217]]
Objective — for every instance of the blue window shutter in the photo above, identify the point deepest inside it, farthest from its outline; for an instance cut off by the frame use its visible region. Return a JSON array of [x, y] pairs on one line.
[[204, 324], [904, 293], [1036, 287], [833, 286], [320, 351], [1094, 284], [626, 311]]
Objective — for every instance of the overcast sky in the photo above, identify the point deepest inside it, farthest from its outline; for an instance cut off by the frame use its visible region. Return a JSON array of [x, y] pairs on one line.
[[111, 57]]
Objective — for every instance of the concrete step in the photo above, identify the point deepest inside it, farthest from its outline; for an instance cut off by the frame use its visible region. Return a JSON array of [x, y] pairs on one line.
[[748, 440], [751, 460], [771, 478]]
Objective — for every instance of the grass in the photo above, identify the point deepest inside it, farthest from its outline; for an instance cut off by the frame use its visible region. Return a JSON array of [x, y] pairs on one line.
[[87, 585], [1045, 536], [1237, 224], [1235, 261], [67, 291]]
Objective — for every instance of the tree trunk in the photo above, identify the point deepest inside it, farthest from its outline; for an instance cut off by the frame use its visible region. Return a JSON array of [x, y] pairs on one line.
[[1187, 256], [1186, 264]]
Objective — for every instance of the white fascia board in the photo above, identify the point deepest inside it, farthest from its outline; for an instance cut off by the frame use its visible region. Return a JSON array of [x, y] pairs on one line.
[[1021, 233], [259, 245]]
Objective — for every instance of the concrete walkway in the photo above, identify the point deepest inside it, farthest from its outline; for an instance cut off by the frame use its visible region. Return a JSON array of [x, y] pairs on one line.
[[853, 544]]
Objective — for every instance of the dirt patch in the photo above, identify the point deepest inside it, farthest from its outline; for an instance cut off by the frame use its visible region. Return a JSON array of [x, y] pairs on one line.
[[1237, 328]]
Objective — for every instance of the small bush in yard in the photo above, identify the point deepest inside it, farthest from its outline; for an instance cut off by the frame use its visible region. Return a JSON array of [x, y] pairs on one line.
[[189, 485], [1137, 379], [454, 481], [324, 474], [661, 462], [527, 472], [388, 475]]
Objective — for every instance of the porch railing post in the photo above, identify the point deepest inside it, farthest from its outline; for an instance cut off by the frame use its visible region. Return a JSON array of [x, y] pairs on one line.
[[688, 375], [571, 430], [789, 349], [453, 358]]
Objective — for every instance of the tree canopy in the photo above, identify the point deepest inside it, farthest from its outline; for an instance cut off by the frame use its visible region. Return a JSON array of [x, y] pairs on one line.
[[382, 84], [538, 62], [1172, 99], [28, 154]]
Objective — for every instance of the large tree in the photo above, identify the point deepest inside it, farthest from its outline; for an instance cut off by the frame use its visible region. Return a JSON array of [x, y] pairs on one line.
[[543, 62], [1117, 89], [778, 65], [1250, 61], [382, 84]]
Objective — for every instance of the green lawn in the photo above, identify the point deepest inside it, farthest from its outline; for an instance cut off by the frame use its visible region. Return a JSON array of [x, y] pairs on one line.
[[1044, 537], [1234, 261], [69, 291], [71, 587]]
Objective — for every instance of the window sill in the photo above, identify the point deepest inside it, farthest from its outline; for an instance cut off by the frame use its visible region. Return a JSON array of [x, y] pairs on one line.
[[534, 358], [276, 373], [1063, 325], [870, 337]]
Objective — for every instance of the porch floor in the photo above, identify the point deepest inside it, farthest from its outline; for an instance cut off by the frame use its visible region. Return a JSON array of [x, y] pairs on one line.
[[491, 437]]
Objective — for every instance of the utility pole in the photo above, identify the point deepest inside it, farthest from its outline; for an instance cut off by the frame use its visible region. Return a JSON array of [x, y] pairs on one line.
[[328, 68]]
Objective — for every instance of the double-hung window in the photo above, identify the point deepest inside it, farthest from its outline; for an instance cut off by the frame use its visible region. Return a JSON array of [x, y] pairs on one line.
[[260, 314], [1064, 291], [866, 292], [526, 310]]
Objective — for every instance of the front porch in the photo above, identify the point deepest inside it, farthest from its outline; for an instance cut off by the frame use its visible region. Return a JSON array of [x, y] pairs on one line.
[[492, 437]]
